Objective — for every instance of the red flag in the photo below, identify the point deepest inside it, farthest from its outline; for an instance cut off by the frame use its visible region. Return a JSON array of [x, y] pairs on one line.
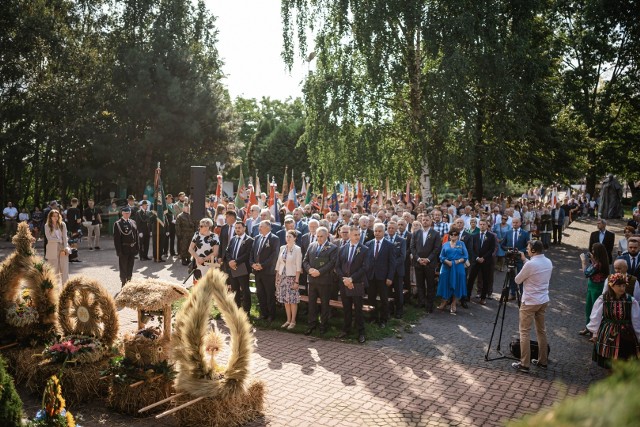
[[407, 196], [346, 193], [252, 196], [292, 198], [359, 191], [324, 198], [218, 191]]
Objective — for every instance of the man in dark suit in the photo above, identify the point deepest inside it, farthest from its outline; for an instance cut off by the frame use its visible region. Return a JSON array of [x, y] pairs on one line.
[[632, 258], [382, 262], [237, 256], [405, 232], [264, 255], [483, 262], [518, 239], [604, 236], [319, 263], [289, 224], [400, 253], [301, 225], [143, 219], [226, 234], [334, 223], [351, 268], [557, 219], [305, 241], [426, 245], [366, 234]]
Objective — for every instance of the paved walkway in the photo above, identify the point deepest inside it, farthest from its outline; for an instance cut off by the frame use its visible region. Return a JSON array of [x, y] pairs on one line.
[[435, 374]]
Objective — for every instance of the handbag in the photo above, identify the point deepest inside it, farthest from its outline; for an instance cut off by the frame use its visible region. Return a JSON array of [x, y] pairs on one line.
[[514, 347]]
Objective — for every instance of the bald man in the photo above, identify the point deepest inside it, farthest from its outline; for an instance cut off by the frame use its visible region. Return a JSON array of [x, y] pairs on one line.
[[633, 287]]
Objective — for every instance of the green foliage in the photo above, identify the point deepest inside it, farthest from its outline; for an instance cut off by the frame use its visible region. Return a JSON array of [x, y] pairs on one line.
[[610, 402], [10, 403], [95, 93]]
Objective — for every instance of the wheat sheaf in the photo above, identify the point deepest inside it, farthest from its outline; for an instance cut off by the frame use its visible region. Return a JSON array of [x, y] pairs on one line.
[[195, 375]]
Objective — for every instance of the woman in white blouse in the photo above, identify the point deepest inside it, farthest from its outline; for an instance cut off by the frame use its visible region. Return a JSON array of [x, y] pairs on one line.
[[288, 270], [58, 249]]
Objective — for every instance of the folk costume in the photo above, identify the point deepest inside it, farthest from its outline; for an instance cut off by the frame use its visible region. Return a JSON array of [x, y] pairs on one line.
[[125, 240]]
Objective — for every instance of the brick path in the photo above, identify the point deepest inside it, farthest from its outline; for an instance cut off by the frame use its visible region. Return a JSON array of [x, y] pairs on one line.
[[434, 375]]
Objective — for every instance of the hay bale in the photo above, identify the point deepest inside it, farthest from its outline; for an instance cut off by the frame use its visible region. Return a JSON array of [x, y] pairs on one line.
[[127, 400], [149, 294], [20, 361], [80, 383], [145, 351], [235, 410]]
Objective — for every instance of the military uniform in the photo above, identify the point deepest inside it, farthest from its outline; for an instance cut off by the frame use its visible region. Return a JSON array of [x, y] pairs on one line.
[[185, 229], [143, 223], [169, 246], [125, 240], [158, 231]]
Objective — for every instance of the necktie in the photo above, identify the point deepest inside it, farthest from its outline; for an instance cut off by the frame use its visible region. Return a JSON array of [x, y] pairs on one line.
[[351, 253], [237, 248], [230, 233], [481, 239], [262, 240], [362, 237], [633, 264], [375, 255], [319, 249]]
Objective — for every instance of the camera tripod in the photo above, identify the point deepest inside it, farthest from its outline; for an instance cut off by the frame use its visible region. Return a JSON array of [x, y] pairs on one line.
[[502, 307]]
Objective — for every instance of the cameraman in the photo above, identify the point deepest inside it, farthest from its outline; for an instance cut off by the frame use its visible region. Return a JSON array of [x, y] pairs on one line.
[[535, 276]]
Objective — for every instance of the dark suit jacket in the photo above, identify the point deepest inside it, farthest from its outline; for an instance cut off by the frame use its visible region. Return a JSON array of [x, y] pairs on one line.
[[382, 267], [561, 216], [472, 243], [268, 255], [608, 242], [304, 243], [430, 249], [282, 235], [302, 228], [627, 258], [244, 252], [224, 240], [325, 263], [520, 244], [359, 266], [368, 235], [400, 246], [488, 246]]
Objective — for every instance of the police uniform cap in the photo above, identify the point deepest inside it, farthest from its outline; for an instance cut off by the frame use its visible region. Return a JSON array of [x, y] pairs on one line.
[[126, 209]]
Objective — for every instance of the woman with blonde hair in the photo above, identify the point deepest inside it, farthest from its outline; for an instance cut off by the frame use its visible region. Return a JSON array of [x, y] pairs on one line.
[[58, 249]]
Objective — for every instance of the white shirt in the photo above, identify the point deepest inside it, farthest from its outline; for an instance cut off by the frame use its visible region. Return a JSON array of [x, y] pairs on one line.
[[10, 212], [535, 274]]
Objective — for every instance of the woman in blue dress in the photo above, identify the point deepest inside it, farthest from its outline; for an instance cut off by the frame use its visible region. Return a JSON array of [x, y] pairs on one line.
[[452, 283], [501, 231]]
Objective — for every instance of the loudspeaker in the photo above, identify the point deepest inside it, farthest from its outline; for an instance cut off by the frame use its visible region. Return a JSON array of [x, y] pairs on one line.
[[197, 191]]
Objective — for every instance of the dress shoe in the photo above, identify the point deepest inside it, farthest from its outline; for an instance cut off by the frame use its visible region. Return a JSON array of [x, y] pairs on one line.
[[584, 332], [464, 304], [361, 339], [342, 335], [97, 248], [309, 331]]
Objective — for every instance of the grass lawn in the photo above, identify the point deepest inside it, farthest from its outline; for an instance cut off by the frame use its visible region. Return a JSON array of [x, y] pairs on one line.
[[394, 327]]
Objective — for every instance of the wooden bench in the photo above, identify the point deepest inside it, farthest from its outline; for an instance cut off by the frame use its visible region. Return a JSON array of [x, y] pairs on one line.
[[336, 304]]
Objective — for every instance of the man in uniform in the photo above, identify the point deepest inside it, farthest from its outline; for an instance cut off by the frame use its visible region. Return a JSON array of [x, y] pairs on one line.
[[169, 247], [125, 240], [142, 219]]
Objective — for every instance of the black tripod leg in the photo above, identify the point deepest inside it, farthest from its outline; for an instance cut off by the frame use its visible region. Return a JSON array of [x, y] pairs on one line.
[[504, 298]]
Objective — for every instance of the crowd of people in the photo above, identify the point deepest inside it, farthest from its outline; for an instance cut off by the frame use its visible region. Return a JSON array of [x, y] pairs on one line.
[[375, 255]]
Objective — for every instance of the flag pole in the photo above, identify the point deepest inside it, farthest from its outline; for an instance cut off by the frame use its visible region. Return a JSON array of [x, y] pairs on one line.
[[157, 190]]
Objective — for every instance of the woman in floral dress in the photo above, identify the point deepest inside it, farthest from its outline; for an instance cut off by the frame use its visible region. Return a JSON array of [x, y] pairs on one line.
[[204, 248], [288, 269]]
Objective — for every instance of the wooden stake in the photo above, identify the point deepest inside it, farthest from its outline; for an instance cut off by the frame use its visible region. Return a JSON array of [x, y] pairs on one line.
[[177, 408], [7, 346], [153, 405]]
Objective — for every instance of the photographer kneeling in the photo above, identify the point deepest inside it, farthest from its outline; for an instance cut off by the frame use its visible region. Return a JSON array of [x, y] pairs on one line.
[[535, 276]]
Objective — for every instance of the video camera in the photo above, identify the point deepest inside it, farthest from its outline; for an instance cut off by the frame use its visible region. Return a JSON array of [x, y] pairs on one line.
[[512, 256]]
